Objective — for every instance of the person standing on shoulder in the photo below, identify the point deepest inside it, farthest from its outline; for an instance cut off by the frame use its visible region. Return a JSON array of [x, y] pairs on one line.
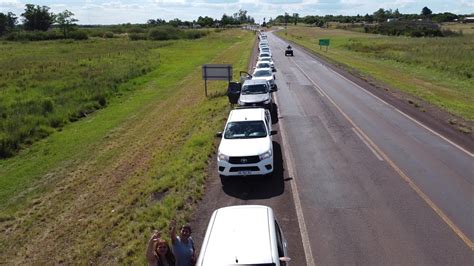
[[158, 252], [183, 245]]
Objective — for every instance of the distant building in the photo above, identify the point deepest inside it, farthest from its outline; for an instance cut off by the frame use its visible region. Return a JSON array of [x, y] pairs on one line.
[[392, 19], [468, 20]]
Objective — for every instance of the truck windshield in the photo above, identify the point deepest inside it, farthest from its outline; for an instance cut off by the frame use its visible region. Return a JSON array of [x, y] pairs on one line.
[[254, 89], [245, 130], [262, 73]]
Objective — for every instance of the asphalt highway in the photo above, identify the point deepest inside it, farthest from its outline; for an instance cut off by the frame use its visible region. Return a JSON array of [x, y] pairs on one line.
[[356, 181], [373, 185]]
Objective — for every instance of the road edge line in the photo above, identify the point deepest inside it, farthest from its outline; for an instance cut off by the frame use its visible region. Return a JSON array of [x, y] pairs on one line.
[[315, 57], [402, 174], [296, 198]]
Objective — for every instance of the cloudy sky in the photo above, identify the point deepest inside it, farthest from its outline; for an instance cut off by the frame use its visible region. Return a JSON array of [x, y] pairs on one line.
[[139, 11]]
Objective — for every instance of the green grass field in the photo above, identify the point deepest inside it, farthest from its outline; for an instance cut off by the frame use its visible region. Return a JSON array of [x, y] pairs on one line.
[[93, 191], [437, 70], [48, 84]]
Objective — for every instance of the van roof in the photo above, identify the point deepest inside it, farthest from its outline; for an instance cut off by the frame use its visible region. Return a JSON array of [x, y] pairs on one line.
[[240, 235], [250, 114]]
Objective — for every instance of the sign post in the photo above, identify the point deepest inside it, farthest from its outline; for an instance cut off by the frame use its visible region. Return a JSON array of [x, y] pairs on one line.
[[216, 72], [323, 42]]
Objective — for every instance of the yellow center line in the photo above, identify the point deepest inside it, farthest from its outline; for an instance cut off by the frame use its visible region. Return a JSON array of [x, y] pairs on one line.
[[397, 169]]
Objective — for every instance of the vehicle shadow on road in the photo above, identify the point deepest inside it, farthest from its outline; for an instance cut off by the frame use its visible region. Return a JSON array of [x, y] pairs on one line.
[[274, 113], [258, 187]]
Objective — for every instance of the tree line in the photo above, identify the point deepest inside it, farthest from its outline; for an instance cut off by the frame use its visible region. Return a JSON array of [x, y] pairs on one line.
[[379, 16], [236, 19], [37, 18]]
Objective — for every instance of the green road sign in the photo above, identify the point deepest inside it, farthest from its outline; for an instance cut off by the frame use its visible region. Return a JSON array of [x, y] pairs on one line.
[[324, 42]]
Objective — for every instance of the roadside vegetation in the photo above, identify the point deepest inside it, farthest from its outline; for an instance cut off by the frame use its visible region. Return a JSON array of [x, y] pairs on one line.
[[93, 191], [39, 24], [437, 70], [49, 84]]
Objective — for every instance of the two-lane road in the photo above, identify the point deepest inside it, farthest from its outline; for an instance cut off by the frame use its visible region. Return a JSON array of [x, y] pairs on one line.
[[373, 185]]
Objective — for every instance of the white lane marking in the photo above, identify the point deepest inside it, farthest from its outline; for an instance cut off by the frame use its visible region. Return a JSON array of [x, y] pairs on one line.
[[296, 197], [405, 177], [407, 116], [367, 144]]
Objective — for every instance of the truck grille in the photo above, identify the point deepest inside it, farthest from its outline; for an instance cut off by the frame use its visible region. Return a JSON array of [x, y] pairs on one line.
[[244, 160], [249, 168]]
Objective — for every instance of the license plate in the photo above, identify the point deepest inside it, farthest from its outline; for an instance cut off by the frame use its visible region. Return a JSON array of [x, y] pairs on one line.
[[245, 172]]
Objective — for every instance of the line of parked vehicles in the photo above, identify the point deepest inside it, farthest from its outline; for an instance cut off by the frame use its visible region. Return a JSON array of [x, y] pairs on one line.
[[247, 234]]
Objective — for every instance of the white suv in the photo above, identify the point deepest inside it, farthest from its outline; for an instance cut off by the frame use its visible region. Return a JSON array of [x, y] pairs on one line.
[[246, 146], [243, 235]]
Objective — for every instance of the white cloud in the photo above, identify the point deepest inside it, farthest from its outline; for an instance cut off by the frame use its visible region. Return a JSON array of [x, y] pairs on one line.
[[139, 11], [7, 5]]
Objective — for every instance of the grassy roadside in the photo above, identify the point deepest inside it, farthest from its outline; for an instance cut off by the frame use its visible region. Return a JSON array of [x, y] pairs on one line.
[[437, 70], [92, 192]]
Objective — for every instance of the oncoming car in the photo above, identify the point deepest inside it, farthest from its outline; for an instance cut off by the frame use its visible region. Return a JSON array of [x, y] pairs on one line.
[[246, 146]]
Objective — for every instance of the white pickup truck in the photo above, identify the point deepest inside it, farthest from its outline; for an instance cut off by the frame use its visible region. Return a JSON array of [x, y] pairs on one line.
[[246, 146]]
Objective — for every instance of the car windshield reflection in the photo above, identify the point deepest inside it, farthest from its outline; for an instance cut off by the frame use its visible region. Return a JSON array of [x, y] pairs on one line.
[[245, 130], [254, 89], [262, 73]]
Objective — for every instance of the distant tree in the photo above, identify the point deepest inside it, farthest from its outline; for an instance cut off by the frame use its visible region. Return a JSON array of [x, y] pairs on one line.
[[226, 20], [396, 13], [380, 15], [287, 18], [368, 18], [295, 18], [444, 17], [175, 22], [37, 17], [426, 12], [66, 21], [11, 21], [241, 16], [3, 23], [205, 21], [7, 22]]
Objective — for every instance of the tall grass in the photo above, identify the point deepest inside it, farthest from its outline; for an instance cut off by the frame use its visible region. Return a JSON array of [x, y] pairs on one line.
[[46, 85], [93, 192], [449, 55]]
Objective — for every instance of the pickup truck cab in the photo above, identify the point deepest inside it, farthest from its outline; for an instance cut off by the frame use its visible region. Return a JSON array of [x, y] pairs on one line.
[[246, 146], [256, 92], [265, 74], [269, 60]]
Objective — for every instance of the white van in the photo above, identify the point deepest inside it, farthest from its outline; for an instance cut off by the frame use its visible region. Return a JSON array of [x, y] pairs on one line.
[[243, 235]]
